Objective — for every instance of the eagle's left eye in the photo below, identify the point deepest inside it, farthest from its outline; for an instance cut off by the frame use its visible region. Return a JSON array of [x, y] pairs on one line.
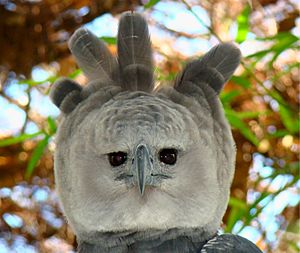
[[117, 158], [168, 156]]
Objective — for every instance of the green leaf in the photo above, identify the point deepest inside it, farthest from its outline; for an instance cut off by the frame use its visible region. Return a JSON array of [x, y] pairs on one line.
[[109, 40], [278, 36], [31, 82], [236, 122], [242, 81], [282, 44], [75, 73], [260, 54], [282, 41], [294, 227], [276, 95], [234, 202], [243, 25], [151, 3], [251, 114], [238, 210], [51, 125], [50, 79], [18, 139], [36, 155], [292, 124], [234, 216], [227, 97]]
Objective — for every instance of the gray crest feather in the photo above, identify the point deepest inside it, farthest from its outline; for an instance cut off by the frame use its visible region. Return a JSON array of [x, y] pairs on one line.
[[214, 68], [66, 94], [135, 53], [92, 55]]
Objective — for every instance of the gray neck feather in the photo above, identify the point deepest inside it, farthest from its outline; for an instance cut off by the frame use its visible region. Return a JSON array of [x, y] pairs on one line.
[[172, 240]]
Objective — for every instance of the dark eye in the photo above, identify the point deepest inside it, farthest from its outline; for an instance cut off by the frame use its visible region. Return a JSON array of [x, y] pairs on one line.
[[168, 156], [117, 158]]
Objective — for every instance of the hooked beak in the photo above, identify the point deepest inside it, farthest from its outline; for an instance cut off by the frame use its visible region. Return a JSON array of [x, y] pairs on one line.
[[143, 165]]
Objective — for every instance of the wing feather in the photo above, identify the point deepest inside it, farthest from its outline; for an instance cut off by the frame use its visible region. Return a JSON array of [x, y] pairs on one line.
[[230, 243]]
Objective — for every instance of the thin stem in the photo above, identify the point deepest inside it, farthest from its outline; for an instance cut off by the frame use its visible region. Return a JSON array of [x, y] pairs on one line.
[[26, 109], [201, 21]]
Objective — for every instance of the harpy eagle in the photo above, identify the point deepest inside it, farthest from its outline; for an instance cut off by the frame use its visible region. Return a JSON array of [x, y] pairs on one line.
[[144, 169]]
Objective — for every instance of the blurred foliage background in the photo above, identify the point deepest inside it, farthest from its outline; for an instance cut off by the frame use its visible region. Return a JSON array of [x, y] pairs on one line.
[[261, 102]]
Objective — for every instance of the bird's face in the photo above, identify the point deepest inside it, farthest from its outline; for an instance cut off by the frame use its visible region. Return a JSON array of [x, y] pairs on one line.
[[131, 158], [141, 162]]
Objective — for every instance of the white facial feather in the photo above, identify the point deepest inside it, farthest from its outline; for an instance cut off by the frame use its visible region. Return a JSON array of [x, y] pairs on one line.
[[95, 201]]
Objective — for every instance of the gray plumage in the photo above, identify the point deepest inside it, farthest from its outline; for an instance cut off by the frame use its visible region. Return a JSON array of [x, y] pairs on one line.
[[229, 243], [214, 68], [151, 242], [135, 53], [226, 243], [92, 55], [66, 94], [137, 169]]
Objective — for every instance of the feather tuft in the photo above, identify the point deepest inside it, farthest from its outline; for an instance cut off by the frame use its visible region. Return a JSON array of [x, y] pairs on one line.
[[214, 68], [92, 55], [135, 53], [66, 94]]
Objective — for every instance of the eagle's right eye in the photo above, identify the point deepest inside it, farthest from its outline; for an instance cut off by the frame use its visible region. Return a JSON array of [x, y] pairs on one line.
[[117, 158], [168, 156]]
